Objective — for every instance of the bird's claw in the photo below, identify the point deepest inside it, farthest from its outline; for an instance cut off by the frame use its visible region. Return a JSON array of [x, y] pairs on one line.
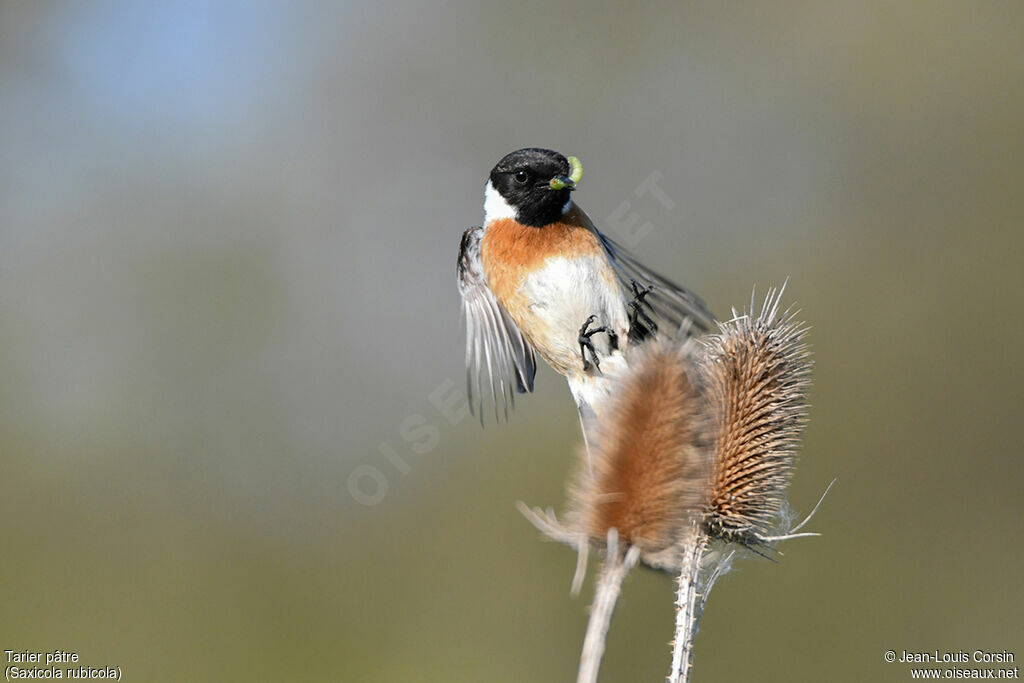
[[585, 343], [641, 325]]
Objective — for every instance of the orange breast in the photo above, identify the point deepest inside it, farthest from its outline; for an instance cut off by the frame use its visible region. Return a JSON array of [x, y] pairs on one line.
[[511, 251]]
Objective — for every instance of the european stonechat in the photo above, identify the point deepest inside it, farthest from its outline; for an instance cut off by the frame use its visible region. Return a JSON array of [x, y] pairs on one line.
[[540, 277]]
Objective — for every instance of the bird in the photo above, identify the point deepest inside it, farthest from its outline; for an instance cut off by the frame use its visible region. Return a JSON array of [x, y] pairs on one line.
[[539, 278]]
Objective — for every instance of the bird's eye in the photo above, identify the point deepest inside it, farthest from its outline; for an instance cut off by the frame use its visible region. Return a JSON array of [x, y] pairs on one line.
[[521, 177]]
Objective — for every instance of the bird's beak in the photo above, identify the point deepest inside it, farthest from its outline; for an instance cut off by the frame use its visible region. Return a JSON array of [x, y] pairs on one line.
[[568, 181]]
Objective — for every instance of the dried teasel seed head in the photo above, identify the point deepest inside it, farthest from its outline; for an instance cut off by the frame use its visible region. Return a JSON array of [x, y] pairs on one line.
[[648, 468], [756, 371]]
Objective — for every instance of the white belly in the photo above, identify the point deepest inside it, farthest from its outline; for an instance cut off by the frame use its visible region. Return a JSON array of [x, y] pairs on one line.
[[562, 295]]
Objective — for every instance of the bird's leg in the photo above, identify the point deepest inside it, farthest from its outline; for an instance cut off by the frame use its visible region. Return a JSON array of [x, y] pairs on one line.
[[641, 326], [584, 339], [613, 339]]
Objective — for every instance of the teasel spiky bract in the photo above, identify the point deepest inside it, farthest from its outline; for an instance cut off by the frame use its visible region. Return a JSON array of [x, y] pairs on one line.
[[698, 445], [756, 372], [649, 468]]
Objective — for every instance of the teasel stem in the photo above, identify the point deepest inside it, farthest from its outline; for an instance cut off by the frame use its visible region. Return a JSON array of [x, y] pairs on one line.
[[688, 607], [616, 566]]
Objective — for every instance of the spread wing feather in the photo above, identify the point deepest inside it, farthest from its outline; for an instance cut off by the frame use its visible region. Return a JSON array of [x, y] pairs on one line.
[[671, 304], [494, 345]]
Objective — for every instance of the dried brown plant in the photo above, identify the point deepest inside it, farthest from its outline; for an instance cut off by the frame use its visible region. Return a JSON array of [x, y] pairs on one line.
[[698, 445]]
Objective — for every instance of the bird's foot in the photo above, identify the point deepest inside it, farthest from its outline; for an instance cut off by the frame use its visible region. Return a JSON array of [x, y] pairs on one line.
[[586, 332], [641, 325]]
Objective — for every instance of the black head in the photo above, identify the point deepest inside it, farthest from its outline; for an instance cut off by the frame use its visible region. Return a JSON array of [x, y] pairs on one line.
[[524, 180]]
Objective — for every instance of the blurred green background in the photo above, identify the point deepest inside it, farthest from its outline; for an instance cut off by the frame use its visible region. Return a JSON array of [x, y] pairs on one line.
[[227, 251]]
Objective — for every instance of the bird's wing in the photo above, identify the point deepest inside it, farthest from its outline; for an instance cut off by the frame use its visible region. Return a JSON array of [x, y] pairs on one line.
[[671, 304], [494, 343]]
